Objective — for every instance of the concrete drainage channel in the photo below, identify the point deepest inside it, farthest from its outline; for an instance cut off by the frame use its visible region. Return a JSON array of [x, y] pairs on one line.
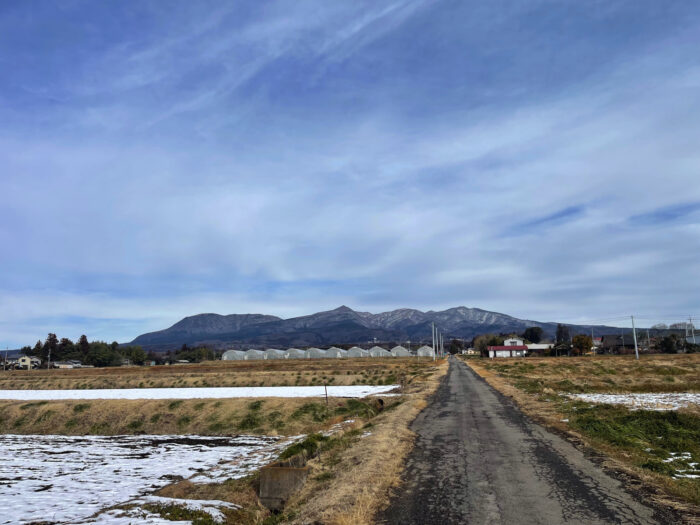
[[278, 481]]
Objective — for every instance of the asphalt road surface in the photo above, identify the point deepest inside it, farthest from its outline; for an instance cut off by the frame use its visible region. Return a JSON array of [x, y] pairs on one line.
[[479, 460]]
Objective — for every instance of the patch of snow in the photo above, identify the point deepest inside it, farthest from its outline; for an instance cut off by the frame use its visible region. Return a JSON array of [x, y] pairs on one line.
[[129, 517], [197, 393], [666, 401], [211, 507], [66, 479]]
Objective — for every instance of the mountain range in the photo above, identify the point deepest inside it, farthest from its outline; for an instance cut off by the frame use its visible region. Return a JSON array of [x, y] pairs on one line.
[[342, 325]]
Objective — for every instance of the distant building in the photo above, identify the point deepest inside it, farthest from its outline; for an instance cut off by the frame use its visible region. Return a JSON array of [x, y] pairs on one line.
[[507, 351], [28, 363], [513, 342], [539, 348]]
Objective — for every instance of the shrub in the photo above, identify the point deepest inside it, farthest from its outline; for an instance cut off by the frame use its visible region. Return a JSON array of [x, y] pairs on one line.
[[308, 446]]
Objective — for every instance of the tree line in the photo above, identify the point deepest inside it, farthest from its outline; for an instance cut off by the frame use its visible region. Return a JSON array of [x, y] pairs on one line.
[[95, 353]]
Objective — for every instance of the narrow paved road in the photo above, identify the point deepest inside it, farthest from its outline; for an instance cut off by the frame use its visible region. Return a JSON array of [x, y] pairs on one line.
[[479, 460]]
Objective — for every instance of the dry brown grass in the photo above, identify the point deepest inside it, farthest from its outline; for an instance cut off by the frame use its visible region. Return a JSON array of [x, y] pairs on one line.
[[270, 416], [614, 374], [283, 372], [242, 492], [534, 384], [350, 486]]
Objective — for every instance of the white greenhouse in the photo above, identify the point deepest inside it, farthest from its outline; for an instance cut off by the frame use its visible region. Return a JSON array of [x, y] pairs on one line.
[[273, 353], [295, 353], [356, 351], [254, 354], [316, 353], [425, 351], [378, 351], [336, 352], [233, 355], [400, 351]]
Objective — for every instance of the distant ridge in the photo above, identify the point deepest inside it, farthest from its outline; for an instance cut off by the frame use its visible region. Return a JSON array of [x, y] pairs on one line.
[[341, 325]]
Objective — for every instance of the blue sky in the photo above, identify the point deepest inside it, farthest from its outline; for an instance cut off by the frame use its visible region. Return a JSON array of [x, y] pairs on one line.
[[160, 159]]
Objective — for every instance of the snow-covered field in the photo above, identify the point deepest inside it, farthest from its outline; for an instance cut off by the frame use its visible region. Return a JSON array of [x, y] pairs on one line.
[[196, 393], [67, 479], [669, 401]]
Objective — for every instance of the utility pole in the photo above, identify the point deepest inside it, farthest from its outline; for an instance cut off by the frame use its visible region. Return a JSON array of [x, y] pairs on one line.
[[592, 342], [433, 332], [634, 334], [648, 341], [691, 328], [4, 364]]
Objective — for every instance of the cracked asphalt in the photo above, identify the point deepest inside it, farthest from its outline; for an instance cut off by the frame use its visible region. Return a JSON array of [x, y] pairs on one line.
[[478, 459]]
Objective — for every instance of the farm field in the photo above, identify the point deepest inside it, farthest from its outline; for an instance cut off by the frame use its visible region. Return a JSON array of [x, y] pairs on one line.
[[292, 372], [97, 471], [354, 449], [649, 429]]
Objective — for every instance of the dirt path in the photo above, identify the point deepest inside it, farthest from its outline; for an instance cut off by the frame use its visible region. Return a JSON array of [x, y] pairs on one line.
[[478, 459]]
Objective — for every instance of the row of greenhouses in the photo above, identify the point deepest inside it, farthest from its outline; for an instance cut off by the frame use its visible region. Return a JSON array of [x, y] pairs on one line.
[[330, 353]]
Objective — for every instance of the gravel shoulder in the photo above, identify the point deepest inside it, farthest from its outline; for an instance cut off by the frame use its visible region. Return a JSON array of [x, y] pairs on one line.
[[479, 459]]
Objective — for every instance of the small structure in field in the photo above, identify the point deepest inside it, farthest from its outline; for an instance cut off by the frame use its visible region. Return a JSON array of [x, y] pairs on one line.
[[233, 355], [356, 351], [507, 351], [400, 351], [273, 353], [336, 352], [316, 353], [425, 351], [378, 351], [295, 353]]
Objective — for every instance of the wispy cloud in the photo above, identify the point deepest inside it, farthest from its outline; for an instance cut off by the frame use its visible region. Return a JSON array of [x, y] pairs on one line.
[[669, 214], [158, 162], [553, 219]]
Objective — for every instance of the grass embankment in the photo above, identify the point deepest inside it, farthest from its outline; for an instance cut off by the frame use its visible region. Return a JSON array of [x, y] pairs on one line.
[[351, 471], [271, 416], [656, 449], [283, 372]]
